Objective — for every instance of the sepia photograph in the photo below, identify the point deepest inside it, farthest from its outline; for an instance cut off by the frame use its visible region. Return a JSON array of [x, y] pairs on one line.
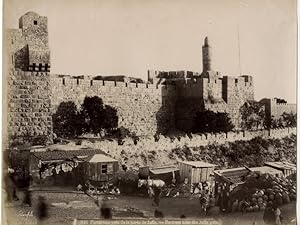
[[149, 112]]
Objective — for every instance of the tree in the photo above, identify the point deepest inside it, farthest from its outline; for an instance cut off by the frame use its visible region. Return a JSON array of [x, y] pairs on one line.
[[285, 120], [110, 118], [65, 121], [92, 110], [224, 123], [209, 121], [93, 117], [97, 115], [276, 123], [253, 115], [289, 119]]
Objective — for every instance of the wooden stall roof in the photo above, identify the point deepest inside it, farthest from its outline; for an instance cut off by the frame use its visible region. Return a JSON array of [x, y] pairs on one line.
[[282, 165], [235, 175], [198, 164], [63, 155], [265, 169], [98, 158], [164, 169]]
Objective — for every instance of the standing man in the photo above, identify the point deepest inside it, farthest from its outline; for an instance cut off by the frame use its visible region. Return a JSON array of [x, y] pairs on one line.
[[106, 210], [157, 192], [42, 210]]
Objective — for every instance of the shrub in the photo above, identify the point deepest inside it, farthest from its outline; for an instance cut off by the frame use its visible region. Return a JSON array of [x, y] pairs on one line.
[[66, 120], [253, 115], [209, 121], [289, 119]]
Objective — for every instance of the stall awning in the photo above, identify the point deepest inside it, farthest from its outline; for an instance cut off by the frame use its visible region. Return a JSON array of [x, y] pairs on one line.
[[235, 175], [198, 164], [164, 169], [266, 169], [282, 165], [100, 158]]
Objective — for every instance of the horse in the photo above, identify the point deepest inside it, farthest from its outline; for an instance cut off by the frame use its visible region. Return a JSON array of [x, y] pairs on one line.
[[154, 188], [151, 183]]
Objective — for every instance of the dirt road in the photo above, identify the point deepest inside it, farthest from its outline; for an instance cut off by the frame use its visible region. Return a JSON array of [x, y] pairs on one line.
[[64, 207]]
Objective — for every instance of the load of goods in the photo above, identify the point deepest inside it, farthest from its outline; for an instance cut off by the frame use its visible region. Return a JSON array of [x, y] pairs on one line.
[[262, 190]]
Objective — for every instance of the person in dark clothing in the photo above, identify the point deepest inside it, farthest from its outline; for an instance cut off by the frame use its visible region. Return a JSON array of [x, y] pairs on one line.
[[157, 193], [13, 178], [158, 214], [106, 211], [42, 210], [15, 196], [269, 216], [54, 174], [27, 198]]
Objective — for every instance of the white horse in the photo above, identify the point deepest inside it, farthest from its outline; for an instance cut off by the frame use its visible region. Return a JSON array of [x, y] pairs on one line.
[[151, 183]]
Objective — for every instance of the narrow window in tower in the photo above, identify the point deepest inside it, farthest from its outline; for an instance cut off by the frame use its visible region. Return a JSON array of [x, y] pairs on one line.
[[12, 59], [40, 66], [33, 67], [35, 22], [77, 81]]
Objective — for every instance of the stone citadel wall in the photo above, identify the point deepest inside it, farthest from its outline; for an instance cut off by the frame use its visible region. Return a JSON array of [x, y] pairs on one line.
[[27, 67], [142, 108], [218, 94], [147, 109], [29, 104], [166, 144], [277, 109], [169, 102]]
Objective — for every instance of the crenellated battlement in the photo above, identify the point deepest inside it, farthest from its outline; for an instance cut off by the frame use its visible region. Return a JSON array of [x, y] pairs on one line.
[[283, 104], [274, 102], [76, 81]]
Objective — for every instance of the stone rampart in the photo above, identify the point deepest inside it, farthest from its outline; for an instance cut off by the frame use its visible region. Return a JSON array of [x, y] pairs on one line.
[[142, 108], [277, 109], [167, 144], [29, 105]]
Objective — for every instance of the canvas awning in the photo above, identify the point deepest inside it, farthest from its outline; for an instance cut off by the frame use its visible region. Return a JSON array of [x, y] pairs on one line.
[[266, 169], [198, 164], [99, 158], [164, 169], [234, 176]]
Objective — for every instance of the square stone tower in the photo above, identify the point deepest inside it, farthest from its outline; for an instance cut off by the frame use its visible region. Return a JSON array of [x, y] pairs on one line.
[[27, 67]]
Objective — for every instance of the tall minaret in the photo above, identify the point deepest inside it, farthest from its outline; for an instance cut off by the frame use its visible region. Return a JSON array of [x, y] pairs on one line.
[[206, 56]]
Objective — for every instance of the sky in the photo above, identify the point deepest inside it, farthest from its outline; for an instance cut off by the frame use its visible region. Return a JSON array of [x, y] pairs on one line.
[[128, 37]]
